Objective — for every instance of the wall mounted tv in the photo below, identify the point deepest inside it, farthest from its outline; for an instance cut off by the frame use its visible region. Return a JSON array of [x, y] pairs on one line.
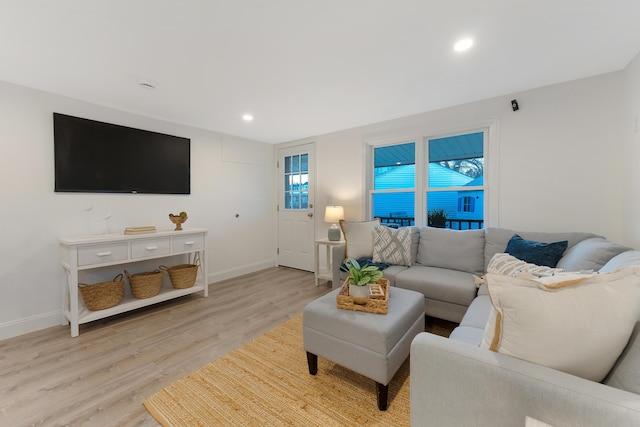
[[97, 157]]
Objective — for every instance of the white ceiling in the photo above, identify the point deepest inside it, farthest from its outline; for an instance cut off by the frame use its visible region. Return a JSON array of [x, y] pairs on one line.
[[306, 67]]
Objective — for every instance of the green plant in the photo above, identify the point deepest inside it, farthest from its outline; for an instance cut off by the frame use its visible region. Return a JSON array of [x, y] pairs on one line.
[[437, 217], [361, 275]]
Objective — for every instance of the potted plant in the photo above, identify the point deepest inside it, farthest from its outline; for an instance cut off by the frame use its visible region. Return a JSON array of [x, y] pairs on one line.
[[360, 277], [437, 218]]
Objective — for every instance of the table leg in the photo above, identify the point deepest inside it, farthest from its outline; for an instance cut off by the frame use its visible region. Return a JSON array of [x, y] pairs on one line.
[[312, 360], [382, 393]]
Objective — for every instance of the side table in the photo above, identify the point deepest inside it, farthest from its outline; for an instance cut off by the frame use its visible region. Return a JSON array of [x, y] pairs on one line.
[[325, 273]]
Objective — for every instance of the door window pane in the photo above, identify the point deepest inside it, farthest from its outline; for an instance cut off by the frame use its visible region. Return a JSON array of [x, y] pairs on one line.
[[296, 182]]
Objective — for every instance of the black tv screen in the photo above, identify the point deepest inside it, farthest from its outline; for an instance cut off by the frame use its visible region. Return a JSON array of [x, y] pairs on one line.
[[97, 157]]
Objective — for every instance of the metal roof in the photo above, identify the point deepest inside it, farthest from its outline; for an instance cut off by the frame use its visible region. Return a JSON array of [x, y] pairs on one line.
[[458, 147]]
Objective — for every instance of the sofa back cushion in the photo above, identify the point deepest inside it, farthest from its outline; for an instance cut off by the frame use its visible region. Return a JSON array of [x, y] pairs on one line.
[[496, 239], [590, 254], [461, 250], [625, 374]]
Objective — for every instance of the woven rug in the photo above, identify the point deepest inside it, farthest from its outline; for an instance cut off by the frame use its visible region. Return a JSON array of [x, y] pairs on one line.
[[267, 382]]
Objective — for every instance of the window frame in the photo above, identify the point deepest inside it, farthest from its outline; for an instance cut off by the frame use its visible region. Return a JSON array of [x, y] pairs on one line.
[[491, 153]]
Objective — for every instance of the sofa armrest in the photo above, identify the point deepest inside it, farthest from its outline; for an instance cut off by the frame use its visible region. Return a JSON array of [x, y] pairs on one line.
[[338, 253], [454, 383]]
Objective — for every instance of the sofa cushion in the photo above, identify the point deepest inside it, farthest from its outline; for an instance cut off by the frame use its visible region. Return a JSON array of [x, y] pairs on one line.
[[590, 254], [358, 236], [625, 375], [461, 250], [496, 239], [392, 246], [477, 314], [574, 323], [625, 259], [391, 272], [439, 284], [539, 253]]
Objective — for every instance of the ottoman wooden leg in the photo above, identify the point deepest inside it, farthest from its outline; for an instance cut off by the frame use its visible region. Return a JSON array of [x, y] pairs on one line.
[[382, 392], [312, 360]]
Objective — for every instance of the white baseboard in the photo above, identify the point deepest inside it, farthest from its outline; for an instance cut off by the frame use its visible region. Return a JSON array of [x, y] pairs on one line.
[[30, 324], [48, 320], [219, 276]]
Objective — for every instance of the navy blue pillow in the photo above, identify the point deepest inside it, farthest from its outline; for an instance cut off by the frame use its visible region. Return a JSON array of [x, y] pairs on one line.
[[538, 253]]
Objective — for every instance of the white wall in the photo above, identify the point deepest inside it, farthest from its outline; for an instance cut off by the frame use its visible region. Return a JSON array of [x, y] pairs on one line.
[[559, 166], [229, 176], [631, 159]]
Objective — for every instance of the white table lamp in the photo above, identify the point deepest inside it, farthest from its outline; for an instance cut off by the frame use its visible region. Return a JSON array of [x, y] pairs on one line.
[[334, 214]]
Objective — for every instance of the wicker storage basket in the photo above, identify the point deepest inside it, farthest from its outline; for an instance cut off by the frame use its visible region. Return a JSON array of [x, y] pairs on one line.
[[145, 285], [378, 300], [102, 295], [184, 275]]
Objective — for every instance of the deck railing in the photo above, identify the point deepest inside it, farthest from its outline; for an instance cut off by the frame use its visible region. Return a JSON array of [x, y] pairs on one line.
[[454, 223]]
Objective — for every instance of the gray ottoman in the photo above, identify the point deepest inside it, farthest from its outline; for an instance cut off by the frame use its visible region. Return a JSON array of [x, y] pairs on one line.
[[373, 345]]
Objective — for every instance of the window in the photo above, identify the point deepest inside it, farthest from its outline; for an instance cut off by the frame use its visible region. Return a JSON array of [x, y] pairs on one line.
[[394, 178], [445, 188], [455, 187], [296, 182], [466, 204]]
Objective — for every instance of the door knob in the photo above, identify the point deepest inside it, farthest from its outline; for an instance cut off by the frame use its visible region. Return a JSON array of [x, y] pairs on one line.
[[310, 214]]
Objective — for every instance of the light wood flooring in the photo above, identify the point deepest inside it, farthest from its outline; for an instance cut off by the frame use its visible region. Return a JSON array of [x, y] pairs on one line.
[[101, 377]]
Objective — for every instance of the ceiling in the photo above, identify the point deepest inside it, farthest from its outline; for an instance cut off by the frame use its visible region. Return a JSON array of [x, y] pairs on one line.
[[306, 67]]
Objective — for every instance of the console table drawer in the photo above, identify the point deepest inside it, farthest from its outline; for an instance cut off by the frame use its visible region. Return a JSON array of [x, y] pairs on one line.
[[102, 254], [188, 243], [150, 248]]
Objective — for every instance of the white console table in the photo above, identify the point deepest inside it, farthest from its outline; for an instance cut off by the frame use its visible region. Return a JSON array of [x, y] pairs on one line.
[[93, 252]]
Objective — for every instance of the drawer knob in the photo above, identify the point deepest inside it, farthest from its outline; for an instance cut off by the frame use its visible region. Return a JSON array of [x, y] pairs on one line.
[[104, 253], [189, 243], [151, 248]]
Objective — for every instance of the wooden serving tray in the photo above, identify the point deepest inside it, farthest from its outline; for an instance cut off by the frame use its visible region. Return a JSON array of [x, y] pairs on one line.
[[378, 301]]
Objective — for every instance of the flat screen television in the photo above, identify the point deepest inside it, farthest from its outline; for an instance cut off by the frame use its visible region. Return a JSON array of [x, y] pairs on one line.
[[97, 157]]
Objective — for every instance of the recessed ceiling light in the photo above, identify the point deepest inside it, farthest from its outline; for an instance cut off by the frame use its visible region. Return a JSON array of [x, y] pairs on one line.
[[247, 117], [462, 45]]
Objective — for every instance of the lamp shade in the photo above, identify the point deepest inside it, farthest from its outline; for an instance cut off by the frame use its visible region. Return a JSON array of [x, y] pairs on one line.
[[333, 214]]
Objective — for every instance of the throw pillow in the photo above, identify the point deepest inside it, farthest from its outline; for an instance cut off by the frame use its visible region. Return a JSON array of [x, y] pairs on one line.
[[508, 265], [590, 254], [358, 236], [538, 253], [575, 323], [392, 246]]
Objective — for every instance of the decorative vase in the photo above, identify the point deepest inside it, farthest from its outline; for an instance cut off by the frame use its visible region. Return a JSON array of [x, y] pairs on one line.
[[178, 221], [360, 294]]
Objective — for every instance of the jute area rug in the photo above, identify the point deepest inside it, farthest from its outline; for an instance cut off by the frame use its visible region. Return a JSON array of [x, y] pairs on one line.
[[267, 383]]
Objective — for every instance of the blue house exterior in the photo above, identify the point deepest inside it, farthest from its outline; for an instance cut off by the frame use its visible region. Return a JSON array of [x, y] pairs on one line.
[[459, 205]]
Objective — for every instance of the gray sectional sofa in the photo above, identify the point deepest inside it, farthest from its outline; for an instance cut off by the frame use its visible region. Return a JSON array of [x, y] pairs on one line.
[[445, 261], [456, 382]]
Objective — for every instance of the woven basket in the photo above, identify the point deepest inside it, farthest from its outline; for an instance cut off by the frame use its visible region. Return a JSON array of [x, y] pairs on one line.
[[102, 295], [183, 275], [378, 301], [145, 285]]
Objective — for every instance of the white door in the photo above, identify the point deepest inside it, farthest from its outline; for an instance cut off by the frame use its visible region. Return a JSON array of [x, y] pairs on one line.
[[296, 229]]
